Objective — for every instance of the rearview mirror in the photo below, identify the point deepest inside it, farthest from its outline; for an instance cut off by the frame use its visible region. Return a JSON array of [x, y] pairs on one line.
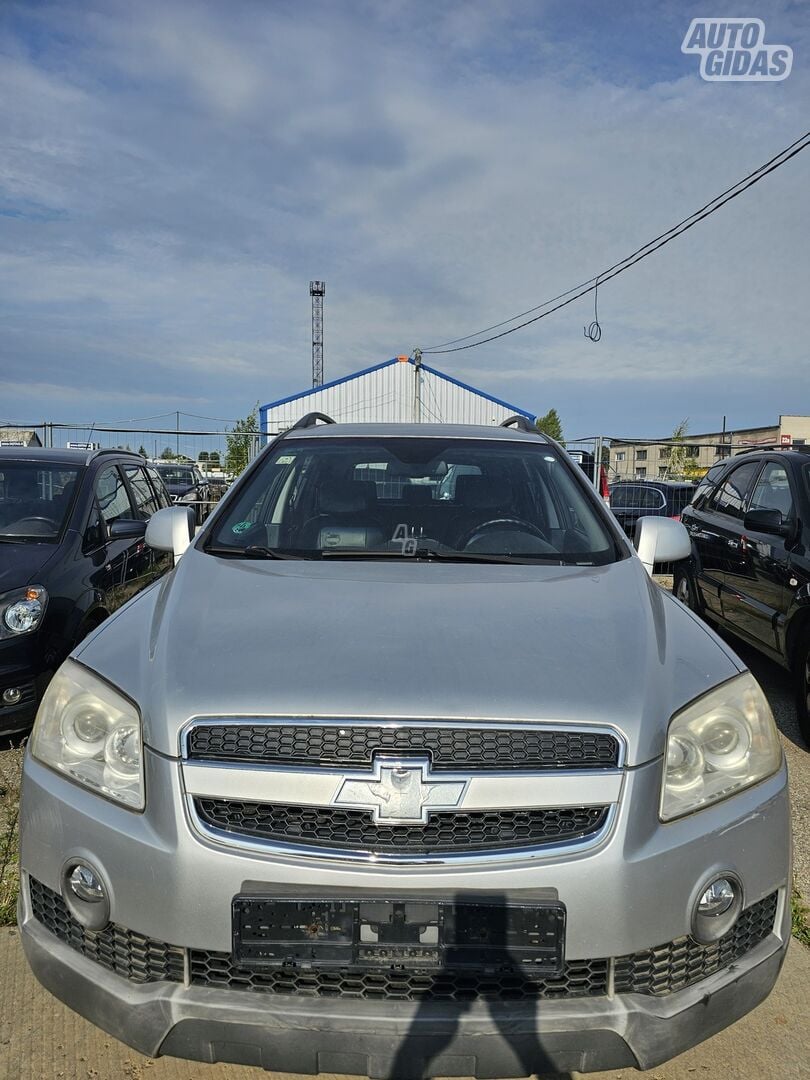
[[171, 529], [661, 540], [766, 521]]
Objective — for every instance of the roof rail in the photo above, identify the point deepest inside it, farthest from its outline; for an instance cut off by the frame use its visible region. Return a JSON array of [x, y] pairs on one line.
[[310, 420], [521, 422], [92, 454]]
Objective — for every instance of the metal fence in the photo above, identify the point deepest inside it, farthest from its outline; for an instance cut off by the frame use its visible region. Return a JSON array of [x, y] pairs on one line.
[[207, 448]]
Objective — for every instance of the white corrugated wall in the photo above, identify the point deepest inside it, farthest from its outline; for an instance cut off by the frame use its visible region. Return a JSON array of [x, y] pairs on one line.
[[387, 395]]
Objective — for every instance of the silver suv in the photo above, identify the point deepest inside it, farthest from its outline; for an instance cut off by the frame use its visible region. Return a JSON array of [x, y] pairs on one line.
[[387, 782]]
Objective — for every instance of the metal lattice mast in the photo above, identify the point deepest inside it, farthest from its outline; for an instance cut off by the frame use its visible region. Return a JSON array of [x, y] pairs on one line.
[[317, 290]]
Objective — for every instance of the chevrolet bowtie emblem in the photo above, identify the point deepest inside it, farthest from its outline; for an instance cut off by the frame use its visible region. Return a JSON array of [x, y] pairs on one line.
[[400, 791]]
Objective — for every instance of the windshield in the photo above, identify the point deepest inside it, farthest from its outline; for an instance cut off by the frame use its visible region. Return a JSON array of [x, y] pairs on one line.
[[414, 497], [173, 474], [34, 500]]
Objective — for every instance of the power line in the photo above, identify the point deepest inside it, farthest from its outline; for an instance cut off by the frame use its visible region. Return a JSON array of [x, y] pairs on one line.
[[630, 260]]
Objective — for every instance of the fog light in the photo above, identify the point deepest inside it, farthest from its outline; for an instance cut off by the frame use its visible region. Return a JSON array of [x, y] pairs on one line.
[[718, 905], [86, 894], [717, 899], [12, 695], [86, 884]]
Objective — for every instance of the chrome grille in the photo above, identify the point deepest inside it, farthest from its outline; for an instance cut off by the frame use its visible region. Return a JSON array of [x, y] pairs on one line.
[[334, 827], [469, 748]]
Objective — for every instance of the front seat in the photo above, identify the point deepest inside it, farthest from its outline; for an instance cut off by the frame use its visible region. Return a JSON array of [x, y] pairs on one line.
[[346, 517]]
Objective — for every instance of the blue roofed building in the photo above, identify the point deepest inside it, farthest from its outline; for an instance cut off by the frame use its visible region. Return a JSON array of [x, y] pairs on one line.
[[395, 391]]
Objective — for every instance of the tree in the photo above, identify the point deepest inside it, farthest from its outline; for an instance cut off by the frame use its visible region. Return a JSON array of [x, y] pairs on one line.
[[142, 451], [241, 443], [203, 456], [213, 457], [168, 454], [550, 425]]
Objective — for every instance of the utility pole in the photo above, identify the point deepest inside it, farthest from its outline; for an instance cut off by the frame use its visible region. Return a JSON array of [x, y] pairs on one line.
[[178, 433], [317, 290], [417, 386]]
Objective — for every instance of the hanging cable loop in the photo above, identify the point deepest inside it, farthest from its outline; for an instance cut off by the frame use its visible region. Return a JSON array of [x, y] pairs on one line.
[[593, 331]]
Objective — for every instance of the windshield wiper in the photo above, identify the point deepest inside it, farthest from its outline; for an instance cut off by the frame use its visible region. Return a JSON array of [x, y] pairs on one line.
[[252, 551]]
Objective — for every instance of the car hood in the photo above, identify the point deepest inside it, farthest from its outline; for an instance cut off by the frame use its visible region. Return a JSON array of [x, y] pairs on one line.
[[21, 564], [179, 489], [582, 645]]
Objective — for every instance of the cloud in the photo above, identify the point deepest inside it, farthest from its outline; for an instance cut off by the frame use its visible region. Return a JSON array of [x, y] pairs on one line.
[[173, 174]]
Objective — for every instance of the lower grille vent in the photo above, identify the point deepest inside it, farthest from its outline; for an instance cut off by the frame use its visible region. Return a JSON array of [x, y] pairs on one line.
[[135, 957], [682, 962], [582, 978]]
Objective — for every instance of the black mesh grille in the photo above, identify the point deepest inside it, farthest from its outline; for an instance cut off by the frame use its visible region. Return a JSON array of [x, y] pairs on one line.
[[448, 747], [680, 963], [132, 955], [325, 827], [582, 978]]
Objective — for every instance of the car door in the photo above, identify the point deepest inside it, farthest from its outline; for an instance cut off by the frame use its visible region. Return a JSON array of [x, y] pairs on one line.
[[756, 609], [143, 564], [110, 554], [716, 532]]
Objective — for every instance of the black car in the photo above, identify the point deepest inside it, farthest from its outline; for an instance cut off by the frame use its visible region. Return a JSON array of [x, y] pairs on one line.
[[186, 484], [72, 550], [750, 566], [633, 499]]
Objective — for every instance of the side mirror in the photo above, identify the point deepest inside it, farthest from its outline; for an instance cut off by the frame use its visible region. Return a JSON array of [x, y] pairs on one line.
[[127, 529], [171, 529], [766, 521], [661, 540]]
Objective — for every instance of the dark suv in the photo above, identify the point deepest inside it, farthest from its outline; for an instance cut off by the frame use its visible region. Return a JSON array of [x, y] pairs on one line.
[[750, 566], [71, 551], [633, 499]]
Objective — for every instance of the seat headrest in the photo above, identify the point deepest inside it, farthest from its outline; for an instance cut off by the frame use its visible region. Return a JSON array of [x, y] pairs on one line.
[[483, 493], [21, 484], [343, 496]]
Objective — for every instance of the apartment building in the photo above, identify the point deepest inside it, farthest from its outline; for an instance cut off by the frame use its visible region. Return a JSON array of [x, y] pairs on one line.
[[652, 459]]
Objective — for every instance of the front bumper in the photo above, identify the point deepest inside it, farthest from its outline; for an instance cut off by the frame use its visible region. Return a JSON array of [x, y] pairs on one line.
[[632, 892], [403, 1039]]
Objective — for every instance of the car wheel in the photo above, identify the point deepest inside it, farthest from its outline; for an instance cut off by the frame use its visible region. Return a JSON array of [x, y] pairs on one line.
[[683, 586], [801, 669]]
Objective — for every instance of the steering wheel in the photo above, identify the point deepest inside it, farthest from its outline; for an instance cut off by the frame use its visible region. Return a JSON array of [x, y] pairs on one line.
[[503, 524], [33, 518], [19, 526]]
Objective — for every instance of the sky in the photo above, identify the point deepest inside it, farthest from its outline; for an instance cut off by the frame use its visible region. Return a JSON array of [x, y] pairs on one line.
[[173, 174]]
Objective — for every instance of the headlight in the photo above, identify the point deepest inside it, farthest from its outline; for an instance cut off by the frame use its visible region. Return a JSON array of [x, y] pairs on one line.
[[718, 745], [21, 610], [92, 734]]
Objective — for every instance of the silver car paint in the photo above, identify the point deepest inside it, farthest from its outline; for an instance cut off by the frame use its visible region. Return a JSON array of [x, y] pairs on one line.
[[409, 639]]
